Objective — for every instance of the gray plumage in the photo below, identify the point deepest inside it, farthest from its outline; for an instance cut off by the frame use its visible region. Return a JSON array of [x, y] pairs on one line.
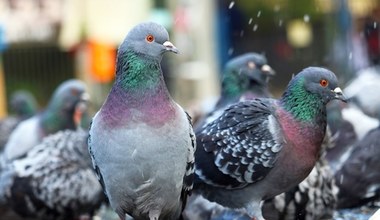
[[55, 180], [260, 148], [58, 115], [141, 141], [22, 106]]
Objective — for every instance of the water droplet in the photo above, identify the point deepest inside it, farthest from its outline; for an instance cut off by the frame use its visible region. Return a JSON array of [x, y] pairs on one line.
[[255, 27], [231, 5], [242, 33], [306, 18], [350, 56], [280, 22], [230, 51], [258, 14], [375, 24], [250, 21], [341, 179]]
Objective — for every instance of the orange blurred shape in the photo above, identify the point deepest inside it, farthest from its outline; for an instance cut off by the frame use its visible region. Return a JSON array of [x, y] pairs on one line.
[[102, 61]]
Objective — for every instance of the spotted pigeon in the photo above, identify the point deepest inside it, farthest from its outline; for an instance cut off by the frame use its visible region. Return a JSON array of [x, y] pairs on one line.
[[55, 179], [141, 141], [57, 116], [260, 148]]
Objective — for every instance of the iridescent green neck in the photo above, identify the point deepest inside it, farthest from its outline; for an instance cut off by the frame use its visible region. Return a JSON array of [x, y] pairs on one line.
[[302, 104], [137, 74], [54, 119], [232, 86]]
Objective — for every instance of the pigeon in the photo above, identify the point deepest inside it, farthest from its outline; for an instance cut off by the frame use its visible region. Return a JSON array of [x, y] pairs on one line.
[[358, 179], [23, 106], [245, 77], [343, 135], [141, 141], [314, 198], [363, 90], [260, 148], [55, 180], [57, 116]]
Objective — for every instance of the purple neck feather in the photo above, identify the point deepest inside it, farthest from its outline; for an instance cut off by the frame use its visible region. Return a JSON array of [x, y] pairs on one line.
[[139, 97]]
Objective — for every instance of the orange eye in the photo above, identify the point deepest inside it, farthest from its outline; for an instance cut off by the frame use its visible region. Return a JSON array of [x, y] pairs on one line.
[[323, 82], [150, 38]]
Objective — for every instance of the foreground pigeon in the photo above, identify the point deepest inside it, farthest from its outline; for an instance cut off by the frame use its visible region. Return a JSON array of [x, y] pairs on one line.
[[23, 106], [57, 116], [245, 77], [258, 149], [141, 141], [314, 198]]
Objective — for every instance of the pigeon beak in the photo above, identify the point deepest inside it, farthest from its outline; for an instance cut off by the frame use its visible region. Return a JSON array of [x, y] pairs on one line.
[[268, 69], [85, 97], [170, 47], [339, 94]]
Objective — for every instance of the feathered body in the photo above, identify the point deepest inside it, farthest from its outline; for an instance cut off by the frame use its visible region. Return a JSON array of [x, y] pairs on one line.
[[264, 147], [141, 141], [359, 179], [54, 180], [57, 116]]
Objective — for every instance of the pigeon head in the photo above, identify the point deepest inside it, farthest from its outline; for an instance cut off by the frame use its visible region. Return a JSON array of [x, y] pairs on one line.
[[246, 72], [148, 39], [321, 82], [309, 91], [67, 95], [250, 66], [23, 104], [59, 113]]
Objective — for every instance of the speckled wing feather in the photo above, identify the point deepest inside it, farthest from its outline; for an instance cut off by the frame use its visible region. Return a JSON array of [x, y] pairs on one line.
[[245, 141], [188, 178], [54, 180]]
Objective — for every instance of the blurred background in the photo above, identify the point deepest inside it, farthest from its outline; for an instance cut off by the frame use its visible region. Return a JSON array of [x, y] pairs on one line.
[[43, 42]]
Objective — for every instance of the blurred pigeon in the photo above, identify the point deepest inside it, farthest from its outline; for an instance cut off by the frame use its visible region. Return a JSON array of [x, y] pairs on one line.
[[55, 180], [23, 106], [245, 77], [57, 116], [364, 89], [375, 216], [141, 141], [359, 177], [343, 135], [258, 149]]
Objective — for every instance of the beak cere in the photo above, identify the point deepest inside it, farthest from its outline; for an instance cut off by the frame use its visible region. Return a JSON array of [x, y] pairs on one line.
[[268, 69], [170, 47], [339, 94]]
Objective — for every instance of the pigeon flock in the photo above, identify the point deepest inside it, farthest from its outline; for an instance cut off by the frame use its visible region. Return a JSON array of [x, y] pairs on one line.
[[310, 154]]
